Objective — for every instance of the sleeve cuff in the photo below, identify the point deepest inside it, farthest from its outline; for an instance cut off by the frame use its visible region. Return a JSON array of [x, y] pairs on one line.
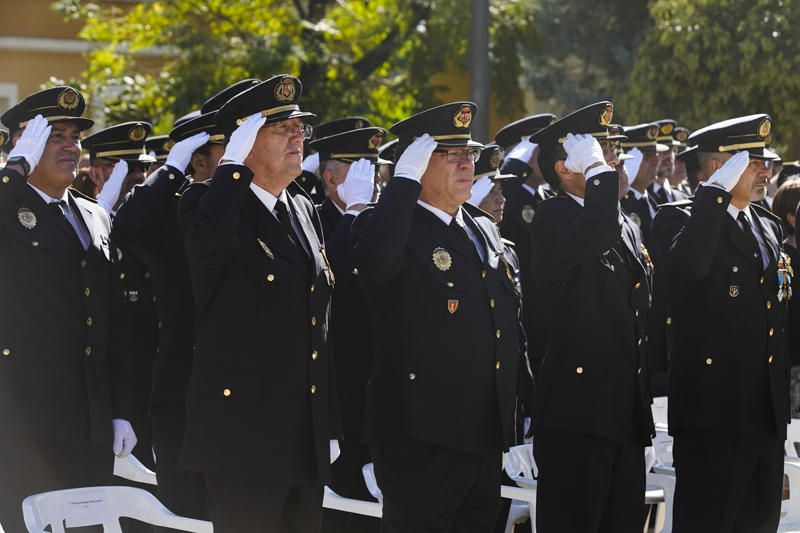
[[598, 170]]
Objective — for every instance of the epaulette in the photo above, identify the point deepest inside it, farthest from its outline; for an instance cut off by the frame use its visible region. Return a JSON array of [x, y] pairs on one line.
[[679, 203], [79, 194], [763, 211]]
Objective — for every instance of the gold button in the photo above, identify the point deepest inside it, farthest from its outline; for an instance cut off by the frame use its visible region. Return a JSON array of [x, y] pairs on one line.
[[769, 360], [83, 263], [669, 321], [497, 333], [236, 175], [314, 355], [313, 321], [6, 179], [147, 275], [313, 287], [89, 321], [87, 291], [313, 389], [412, 376], [270, 277], [709, 361], [769, 304], [497, 365], [638, 371], [88, 351], [579, 370], [761, 281], [450, 284], [226, 392], [596, 182], [636, 312], [483, 274], [355, 272], [122, 275], [719, 199], [6, 352], [491, 303], [159, 324], [171, 176], [35, 243], [638, 284], [771, 332], [639, 342]]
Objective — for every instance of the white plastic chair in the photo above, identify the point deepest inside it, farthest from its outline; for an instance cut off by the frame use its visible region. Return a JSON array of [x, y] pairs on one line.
[[331, 500], [104, 506], [368, 471], [662, 443], [659, 409], [661, 491], [520, 465], [131, 468], [792, 438]]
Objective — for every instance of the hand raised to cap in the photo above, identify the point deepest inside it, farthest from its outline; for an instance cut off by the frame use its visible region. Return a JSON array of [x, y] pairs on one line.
[[242, 139], [583, 151], [108, 197], [358, 185], [415, 158], [30, 145], [180, 155], [727, 176]]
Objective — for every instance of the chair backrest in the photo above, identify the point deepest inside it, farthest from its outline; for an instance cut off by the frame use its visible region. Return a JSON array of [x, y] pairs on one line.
[[519, 462], [368, 471], [662, 443], [659, 409], [792, 438], [129, 467], [104, 506]]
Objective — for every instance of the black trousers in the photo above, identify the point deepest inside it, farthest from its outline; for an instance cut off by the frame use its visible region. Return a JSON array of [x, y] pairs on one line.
[[31, 465], [348, 481], [430, 489], [588, 484], [183, 493], [727, 482], [242, 505]]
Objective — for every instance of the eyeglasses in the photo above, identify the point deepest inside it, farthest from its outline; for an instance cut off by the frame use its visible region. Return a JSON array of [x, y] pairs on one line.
[[287, 130], [454, 156]]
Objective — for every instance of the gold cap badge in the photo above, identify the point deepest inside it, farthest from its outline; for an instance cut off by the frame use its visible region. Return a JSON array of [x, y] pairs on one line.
[[68, 99], [652, 132], [682, 136], [607, 115], [285, 90], [463, 117], [375, 141], [764, 128], [442, 259], [667, 128], [358, 125], [26, 218], [495, 161], [137, 133]]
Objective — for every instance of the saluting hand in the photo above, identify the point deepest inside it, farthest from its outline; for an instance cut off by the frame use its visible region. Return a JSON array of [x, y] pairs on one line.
[[110, 193], [727, 176], [242, 139], [311, 163], [31, 143], [414, 161], [522, 151], [180, 155], [124, 437], [359, 184], [583, 151]]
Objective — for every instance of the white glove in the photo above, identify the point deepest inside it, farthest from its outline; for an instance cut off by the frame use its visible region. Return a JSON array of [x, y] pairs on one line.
[[359, 184], [180, 155], [335, 451], [414, 161], [632, 165], [124, 437], [727, 176], [522, 151], [480, 189], [243, 138], [110, 193], [583, 151], [311, 163], [32, 141]]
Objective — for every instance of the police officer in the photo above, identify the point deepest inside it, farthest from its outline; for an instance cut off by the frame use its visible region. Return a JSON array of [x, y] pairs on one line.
[[592, 410], [347, 168], [728, 380], [661, 189], [64, 398], [440, 401], [261, 407], [148, 221]]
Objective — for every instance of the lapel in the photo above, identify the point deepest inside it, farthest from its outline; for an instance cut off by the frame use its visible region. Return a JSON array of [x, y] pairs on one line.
[[315, 247], [441, 232], [269, 230], [736, 237], [768, 235], [492, 251], [631, 244], [88, 217]]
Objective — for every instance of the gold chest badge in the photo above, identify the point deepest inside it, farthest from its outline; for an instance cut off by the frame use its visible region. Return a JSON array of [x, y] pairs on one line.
[[785, 274], [26, 218], [442, 259]]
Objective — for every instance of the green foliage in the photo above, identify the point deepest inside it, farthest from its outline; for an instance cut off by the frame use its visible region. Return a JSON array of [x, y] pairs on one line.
[[709, 60], [159, 59]]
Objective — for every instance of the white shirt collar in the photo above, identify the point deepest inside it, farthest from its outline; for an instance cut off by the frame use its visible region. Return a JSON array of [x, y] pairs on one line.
[[266, 197], [443, 216], [576, 198], [734, 212], [636, 194], [530, 189], [341, 211], [47, 198]]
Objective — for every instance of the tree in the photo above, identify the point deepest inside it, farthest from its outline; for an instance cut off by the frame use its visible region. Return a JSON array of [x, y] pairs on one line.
[[369, 57], [711, 60]]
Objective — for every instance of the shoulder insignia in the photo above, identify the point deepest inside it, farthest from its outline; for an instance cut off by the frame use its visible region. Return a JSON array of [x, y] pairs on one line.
[[527, 213]]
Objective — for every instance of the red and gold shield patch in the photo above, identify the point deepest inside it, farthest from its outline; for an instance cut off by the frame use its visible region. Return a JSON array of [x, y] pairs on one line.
[[452, 306]]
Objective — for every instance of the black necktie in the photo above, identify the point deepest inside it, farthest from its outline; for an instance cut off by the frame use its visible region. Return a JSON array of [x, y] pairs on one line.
[[59, 206], [750, 237], [661, 196], [462, 233], [285, 218]]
